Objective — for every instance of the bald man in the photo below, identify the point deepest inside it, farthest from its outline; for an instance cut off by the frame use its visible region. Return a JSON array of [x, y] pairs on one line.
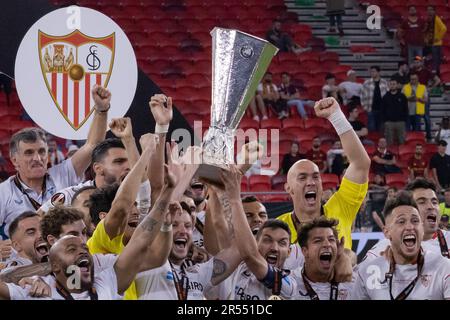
[[304, 183]]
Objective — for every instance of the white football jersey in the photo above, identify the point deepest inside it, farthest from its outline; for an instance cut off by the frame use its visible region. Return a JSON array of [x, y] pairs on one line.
[[245, 286], [433, 284], [105, 284], [322, 289], [295, 259], [431, 245], [158, 283]]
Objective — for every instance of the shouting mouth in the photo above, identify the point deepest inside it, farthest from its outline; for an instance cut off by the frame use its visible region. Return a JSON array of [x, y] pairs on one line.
[[325, 259], [410, 241], [310, 198]]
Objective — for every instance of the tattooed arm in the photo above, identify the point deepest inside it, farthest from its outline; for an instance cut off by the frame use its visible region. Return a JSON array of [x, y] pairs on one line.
[[130, 261], [227, 260]]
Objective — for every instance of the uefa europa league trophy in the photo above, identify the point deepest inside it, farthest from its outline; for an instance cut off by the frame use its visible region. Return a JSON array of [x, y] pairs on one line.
[[239, 61]]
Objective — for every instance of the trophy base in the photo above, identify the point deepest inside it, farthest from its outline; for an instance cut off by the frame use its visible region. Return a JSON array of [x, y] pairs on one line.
[[210, 173]]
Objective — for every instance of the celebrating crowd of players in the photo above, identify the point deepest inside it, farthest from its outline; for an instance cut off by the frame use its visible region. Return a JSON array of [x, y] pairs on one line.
[[145, 227]]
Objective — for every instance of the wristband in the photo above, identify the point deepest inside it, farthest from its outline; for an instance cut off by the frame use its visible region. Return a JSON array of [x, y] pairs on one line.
[[161, 128], [104, 111], [165, 227], [340, 122]]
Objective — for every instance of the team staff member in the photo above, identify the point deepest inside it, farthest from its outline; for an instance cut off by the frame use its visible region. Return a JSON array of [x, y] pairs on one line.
[[34, 184]]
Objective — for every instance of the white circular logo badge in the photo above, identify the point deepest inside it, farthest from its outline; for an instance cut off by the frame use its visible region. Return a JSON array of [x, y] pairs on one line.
[[60, 59]]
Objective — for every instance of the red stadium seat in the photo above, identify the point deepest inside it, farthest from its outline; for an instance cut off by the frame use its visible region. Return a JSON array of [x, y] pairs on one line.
[[413, 137], [270, 124], [293, 123], [315, 123], [244, 184], [406, 150], [259, 183], [396, 180], [278, 182], [274, 197], [249, 124], [329, 181]]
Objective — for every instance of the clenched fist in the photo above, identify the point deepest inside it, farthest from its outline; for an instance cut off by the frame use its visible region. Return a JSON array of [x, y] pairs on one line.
[[325, 107]]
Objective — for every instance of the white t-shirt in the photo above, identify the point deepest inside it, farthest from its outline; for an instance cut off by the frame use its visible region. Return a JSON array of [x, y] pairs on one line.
[[143, 197], [158, 283], [247, 287], [431, 245], [105, 283], [351, 89], [322, 289], [260, 87], [434, 283], [13, 202]]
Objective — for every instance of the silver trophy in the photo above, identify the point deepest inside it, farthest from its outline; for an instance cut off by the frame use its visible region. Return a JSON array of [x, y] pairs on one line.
[[239, 61]]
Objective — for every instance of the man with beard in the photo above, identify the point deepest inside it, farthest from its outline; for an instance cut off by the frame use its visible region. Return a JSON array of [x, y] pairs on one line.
[[70, 254], [255, 212], [33, 184], [304, 185], [174, 280], [408, 270], [320, 247], [27, 241], [111, 161], [434, 239], [317, 156], [80, 201]]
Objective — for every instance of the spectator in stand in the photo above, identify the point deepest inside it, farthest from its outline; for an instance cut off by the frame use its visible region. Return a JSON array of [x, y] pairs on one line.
[[317, 156], [330, 89], [351, 90], [444, 223], [336, 159], [358, 126], [410, 34], [374, 90], [290, 96], [440, 167], [444, 133], [282, 40], [402, 76], [326, 195], [269, 93], [417, 96], [292, 157], [383, 161], [426, 76], [417, 164], [257, 101], [55, 156], [73, 148], [394, 113], [444, 207], [335, 10], [435, 31]]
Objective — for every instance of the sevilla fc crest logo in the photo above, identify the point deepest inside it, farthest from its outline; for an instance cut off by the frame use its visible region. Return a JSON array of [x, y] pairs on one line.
[[71, 65]]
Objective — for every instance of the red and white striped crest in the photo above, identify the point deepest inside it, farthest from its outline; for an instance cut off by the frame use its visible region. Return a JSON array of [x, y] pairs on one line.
[[71, 66]]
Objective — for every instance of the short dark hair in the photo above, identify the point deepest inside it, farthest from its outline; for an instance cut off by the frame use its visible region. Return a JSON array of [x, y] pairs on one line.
[[101, 200], [249, 199], [413, 74], [394, 78], [56, 217], [403, 198], [103, 147], [27, 135], [352, 108], [274, 224], [420, 183], [376, 68], [402, 63], [80, 191], [15, 223], [393, 188], [330, 76], [442, 143], [320, 222]]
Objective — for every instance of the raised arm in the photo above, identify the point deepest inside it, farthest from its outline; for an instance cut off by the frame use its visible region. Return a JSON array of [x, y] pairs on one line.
[[82, 158], [115, 221], [123, 130], [161, 108], [358, 169], [131, 260]]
